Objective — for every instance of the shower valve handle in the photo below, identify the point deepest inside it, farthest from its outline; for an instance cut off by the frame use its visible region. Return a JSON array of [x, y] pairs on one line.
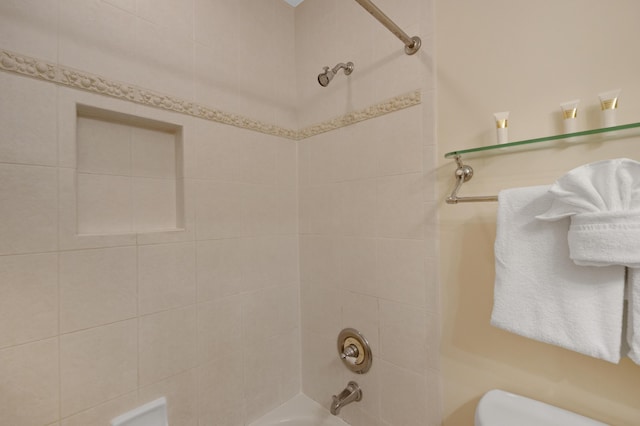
[[350, 351]]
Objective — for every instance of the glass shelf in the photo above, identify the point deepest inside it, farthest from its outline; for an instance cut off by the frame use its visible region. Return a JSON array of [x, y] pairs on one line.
[[606, 133]]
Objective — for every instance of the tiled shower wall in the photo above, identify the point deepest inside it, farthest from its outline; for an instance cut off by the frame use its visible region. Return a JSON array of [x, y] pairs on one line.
[[94, 325], [368, 240], [208, 316]]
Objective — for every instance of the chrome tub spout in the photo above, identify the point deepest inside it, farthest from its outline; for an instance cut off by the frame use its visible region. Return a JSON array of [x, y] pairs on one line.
[[350, 394]]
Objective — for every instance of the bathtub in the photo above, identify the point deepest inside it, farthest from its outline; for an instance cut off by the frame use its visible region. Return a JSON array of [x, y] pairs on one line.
[[299, 411]]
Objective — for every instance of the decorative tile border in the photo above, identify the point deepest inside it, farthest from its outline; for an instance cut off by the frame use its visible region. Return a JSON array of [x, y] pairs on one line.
[[391, 105], [43, 70]]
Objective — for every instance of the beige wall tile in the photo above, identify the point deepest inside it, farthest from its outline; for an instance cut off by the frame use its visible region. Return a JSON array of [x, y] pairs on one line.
[[319, 210], [400, 271], [269, 312], [320, 261], [97, 287], [220, 392], [362, 313], [408, 406], [103, 147], [217, 153], [153, 153], [165, 58], [272, 262], [28, 120], [262, 378], [219, 210], [30, 383], [30, 27], [286, 161], [97, 365], [221, 268], [358, 265], [400, 207], [319, 158], [321, 368], [166, 276], [69, 101], [220, 331], [29, 303], [154, 204], [271, 210], [185, 218], [321, 310], [97, 37], [174, 16], [168, 343], [103, 414], [405, 326], [359, 208], [357, 154], [180, 391], [399, 139], [28, 210], [104, 204], [69, 239], [224, 17], [128, 5], [216, 82], [257, 159], [290, 360]]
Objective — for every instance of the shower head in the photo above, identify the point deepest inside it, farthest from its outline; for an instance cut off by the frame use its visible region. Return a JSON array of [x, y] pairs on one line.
[[325, 78], [327, 75]]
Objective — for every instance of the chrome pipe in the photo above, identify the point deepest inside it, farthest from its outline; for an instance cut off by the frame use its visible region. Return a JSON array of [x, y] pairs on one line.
[[351, 393], [464, 173], [412, 44]]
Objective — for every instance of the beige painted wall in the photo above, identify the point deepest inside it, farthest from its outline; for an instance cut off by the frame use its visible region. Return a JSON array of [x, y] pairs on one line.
[[525, 57]]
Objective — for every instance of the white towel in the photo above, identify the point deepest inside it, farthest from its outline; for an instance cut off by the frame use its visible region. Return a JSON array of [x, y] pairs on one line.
[[633, 314], [603, 201], [540, 293]]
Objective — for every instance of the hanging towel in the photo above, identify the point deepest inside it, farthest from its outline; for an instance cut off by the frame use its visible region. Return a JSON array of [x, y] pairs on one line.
[[603, 201], [540, 293], [633, 313]]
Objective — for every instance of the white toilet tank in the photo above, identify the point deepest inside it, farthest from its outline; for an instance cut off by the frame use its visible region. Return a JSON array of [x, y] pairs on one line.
[[500, 408]]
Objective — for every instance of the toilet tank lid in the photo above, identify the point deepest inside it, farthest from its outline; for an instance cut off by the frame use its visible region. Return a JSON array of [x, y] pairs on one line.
[[499, 408]]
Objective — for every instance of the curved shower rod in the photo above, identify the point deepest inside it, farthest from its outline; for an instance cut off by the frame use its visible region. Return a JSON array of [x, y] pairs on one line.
[[411, 44]]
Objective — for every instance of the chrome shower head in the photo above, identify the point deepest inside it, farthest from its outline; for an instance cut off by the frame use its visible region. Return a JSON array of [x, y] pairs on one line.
[[325, 77]]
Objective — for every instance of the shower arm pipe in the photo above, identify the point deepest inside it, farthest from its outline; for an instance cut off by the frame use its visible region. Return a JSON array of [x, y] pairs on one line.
[[412, 44], [348, 68]]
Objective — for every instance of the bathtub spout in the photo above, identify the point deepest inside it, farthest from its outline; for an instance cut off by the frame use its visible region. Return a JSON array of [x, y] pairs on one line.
[[351, 393]]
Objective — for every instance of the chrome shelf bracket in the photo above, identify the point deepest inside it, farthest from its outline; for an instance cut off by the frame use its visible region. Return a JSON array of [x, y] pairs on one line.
[[464, 173]]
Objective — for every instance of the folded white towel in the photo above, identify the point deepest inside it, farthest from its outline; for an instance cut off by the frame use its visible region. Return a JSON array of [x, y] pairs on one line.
[[633, 314], [540, 293], [603, 201]]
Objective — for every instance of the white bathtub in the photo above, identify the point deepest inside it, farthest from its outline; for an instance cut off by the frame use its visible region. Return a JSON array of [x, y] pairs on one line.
[[299, 411]]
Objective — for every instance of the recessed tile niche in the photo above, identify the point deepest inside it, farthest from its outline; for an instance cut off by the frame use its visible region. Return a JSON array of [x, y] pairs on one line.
[[129, 173]]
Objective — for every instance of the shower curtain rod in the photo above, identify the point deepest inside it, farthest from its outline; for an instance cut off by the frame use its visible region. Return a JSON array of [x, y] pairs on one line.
[[412, 44]]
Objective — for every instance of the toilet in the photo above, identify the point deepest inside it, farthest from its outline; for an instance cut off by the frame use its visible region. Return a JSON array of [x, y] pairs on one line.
[[500, 408]]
